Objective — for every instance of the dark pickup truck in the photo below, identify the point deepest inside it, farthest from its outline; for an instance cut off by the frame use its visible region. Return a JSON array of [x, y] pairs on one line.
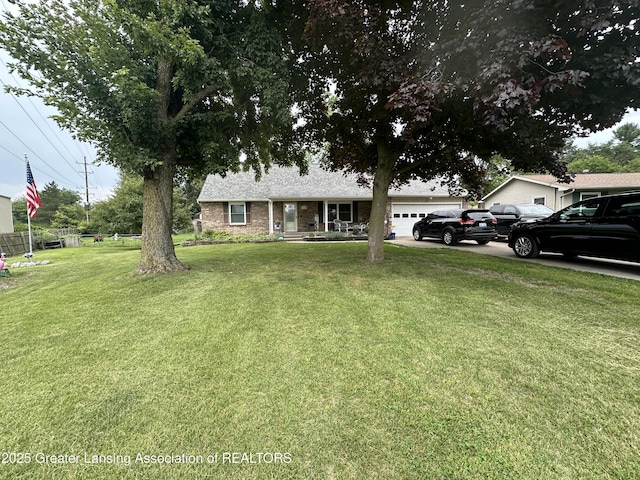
[[509, 214]]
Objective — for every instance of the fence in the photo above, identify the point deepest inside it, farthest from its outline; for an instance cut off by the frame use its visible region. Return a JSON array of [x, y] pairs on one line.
[[14, 243], [18, 243], [63, 232]]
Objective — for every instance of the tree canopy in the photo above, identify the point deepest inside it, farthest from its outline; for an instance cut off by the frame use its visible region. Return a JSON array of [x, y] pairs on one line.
[[629, 133], [622, 154], [159, 87], [53, 199], [427, 89]]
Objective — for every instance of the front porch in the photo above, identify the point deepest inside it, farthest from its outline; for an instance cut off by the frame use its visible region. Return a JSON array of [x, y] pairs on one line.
[[312, 217]]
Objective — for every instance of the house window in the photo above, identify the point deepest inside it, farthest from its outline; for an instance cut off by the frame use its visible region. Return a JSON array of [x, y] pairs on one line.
[[540, 200], [341, 211], [237, 213]]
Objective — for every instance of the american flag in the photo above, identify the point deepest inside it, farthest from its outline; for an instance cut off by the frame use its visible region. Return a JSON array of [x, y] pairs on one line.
[[33, 199]]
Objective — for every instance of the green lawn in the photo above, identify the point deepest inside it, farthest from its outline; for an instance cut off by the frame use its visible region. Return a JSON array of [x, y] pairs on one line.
[[436, 364]]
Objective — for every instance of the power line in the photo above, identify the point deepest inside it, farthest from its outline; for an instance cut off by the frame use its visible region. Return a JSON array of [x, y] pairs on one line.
[[51, 136], [66, 180], [34, 123], [80, 146]]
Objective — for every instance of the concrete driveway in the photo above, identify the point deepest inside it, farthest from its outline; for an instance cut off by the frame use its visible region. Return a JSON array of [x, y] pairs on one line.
[[501, 249]]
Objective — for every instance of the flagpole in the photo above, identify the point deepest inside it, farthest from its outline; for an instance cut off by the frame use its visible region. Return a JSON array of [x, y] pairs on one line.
[[30, 240], [26, 161]]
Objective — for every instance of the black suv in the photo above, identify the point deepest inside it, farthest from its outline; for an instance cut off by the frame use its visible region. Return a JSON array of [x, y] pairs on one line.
[[607, 227], [507, 215], [457, 224]]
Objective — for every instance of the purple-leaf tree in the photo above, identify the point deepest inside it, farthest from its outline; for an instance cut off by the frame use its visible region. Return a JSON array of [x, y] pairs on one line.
[[432, 89]]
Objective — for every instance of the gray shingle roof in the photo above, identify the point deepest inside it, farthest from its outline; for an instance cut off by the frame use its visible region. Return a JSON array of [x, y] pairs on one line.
[[287, 183]]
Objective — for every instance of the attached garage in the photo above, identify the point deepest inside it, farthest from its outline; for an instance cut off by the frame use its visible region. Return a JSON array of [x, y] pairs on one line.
[[404, 215]]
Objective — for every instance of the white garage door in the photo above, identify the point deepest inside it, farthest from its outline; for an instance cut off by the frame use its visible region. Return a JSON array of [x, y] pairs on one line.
[[404, 215]]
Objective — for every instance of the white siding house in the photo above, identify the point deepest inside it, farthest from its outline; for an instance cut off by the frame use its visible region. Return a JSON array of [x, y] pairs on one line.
[[6, 216]]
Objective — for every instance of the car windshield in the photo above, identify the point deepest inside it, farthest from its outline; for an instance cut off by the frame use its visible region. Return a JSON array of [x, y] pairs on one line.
[[535, 210]]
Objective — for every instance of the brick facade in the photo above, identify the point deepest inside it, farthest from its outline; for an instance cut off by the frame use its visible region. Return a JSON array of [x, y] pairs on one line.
[[214, 218]]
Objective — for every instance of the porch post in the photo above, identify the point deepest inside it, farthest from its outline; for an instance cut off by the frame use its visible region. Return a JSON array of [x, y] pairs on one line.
[[270, 217], [325, 205]]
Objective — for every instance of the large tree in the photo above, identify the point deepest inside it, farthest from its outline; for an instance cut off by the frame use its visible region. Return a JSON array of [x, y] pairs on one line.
[[427, 89], [161, 86], [628, 133]]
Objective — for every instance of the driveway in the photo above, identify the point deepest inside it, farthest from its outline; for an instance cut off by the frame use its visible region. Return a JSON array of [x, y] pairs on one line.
[[501, 249]]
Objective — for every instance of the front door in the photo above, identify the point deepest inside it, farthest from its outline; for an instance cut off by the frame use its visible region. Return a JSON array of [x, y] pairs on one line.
[[290, 217]]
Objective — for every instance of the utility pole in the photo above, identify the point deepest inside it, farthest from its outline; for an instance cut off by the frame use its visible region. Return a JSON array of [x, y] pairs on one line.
[[86, 188]]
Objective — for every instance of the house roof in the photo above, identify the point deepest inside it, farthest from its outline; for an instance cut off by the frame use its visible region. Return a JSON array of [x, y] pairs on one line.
[[287, 183], [580, 181], [592, 180]]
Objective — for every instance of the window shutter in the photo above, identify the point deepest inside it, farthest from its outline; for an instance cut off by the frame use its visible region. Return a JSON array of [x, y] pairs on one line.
[[321, 212], [248, 212], [225, 212]]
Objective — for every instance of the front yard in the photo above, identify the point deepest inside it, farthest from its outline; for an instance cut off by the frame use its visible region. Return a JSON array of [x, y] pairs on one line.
[[294, 361]]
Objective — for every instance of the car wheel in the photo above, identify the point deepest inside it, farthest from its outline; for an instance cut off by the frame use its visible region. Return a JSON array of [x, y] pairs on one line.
[[448, 237], [417, 236], [483, 242], [526, 246]]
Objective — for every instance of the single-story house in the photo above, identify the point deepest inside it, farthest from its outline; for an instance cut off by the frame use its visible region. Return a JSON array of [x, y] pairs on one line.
[[546, 190], [6, 215], [283, 201]]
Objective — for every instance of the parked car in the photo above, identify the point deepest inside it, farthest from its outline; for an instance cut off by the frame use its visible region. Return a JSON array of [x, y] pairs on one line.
[[454, 225], [509, 214], [607, 227]]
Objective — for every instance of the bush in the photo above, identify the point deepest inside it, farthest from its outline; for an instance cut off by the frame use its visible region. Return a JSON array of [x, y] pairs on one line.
[[215, 235], [210, 236]]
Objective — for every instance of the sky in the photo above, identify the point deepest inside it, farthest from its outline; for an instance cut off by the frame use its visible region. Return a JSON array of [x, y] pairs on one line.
[[54, 155], [27, 129], [603, 136]]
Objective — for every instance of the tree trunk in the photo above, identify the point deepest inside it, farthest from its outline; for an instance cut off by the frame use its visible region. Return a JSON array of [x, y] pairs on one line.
[[381, 181], [158, 254]]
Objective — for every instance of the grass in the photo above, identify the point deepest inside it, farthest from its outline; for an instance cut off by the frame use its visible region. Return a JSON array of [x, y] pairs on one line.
[[435, 364]]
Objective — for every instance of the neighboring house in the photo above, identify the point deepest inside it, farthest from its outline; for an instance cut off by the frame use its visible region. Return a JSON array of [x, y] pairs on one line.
[[546, 190], [6, 215], [284, 201]]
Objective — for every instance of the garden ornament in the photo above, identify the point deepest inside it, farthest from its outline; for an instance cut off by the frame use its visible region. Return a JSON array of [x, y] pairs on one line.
[[3, 271]]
